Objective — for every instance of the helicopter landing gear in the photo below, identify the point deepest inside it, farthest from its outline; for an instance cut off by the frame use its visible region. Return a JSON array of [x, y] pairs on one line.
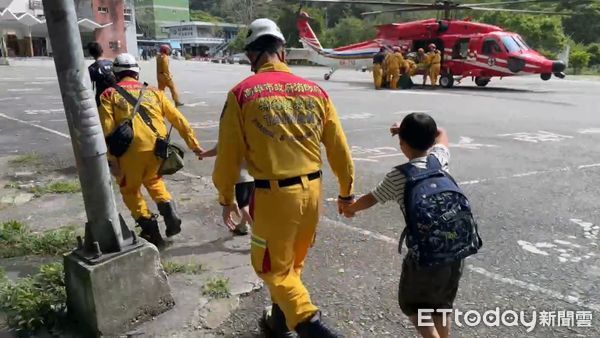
[[328, 75], [447, 80], [546, 76], [482, 81]]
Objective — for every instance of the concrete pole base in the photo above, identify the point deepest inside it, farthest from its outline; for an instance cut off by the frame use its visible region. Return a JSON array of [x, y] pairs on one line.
[[111, 297], [4, 62]]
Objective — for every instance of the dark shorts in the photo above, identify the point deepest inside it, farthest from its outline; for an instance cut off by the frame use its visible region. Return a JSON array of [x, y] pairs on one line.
[[428, 288], [243, 192]]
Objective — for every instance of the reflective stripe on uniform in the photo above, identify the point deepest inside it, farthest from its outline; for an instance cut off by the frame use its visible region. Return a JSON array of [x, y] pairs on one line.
[[259, 242]]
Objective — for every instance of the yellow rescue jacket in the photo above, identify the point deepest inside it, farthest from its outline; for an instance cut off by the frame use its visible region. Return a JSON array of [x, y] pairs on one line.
[[163, 73], [114, 109], [433, 58], [394, 60], [277, 122]]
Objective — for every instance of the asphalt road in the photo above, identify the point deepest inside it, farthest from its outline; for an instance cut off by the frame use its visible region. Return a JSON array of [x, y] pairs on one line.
[[524, 151]]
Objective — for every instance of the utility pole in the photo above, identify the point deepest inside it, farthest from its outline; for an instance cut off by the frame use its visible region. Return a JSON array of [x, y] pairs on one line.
[[104, 226], [112, 276]]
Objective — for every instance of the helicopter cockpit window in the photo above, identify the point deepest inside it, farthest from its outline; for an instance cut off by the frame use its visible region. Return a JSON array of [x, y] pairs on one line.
[[510, 44], [490, 47], [521, 42]]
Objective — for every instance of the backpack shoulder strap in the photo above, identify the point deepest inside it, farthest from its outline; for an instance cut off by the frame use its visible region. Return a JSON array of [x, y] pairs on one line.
[[136, 103]]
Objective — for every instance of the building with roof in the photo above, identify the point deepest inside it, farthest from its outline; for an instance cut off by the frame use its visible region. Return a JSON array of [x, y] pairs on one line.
[[111, 23], [199, 38], [152, 15]]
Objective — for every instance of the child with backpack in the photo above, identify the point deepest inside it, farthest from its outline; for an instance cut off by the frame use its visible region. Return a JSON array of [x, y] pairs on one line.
[[440, 229]]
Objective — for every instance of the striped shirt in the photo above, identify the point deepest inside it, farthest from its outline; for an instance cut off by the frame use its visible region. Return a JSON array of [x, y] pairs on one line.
[[392, 186]]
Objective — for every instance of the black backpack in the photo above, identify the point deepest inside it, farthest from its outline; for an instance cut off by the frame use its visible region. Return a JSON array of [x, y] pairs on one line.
[[101, 74], [440, 228]]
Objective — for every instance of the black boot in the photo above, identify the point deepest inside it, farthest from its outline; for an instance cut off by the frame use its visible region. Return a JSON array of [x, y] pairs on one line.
[[314, 328], [273, 323], [172, 220], [150, 231]]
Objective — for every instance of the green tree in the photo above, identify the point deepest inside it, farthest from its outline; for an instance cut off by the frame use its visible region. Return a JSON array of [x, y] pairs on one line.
[[579, 59], [237, 45], [584, 25], [545, 33], [594, 50], [348, 31]]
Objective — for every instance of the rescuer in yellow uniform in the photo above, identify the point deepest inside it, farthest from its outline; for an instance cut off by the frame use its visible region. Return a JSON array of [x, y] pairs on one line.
[[139, 165], [378, 60], [163, 73], [394, 62], [422, 64], [434, 60], [410, 67], [277, 122]]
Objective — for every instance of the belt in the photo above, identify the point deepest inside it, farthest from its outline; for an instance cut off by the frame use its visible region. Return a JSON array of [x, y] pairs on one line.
[[266, 184]]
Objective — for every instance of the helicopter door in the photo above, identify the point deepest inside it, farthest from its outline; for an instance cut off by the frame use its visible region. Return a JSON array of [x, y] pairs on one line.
[[490, 47], [461, 49]]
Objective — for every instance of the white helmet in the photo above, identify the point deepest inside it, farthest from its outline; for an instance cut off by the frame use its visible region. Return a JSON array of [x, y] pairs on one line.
[[125, 62], [263, 27]]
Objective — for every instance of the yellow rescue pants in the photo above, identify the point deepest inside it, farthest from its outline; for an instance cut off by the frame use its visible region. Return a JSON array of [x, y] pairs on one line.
[[394, 77], [434, 73], [163, 83], [377, 75], [139, 168], [285, 221]]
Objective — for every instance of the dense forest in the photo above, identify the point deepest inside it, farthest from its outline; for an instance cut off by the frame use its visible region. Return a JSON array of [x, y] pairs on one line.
[[342, 24]]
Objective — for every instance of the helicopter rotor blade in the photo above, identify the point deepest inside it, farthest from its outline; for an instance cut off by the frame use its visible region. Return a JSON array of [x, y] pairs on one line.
[[372, 2], [400, 10], [516, 2], [523, 11]]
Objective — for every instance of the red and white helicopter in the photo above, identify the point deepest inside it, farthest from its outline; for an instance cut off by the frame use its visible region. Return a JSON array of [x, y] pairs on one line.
[[469, 49]]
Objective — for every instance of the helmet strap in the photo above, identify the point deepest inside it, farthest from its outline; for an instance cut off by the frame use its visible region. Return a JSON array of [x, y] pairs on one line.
[[253, 65]]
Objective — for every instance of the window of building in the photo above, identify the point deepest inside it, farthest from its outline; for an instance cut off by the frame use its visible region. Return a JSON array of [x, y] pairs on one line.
[[127, 14], [114, 45], [103, 10]]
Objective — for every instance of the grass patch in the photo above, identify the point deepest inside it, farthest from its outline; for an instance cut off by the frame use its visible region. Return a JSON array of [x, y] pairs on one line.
[[25, 160], [62, 187], [174, 267], [35, 302], [217, 288], [11, 185], [16, 239]]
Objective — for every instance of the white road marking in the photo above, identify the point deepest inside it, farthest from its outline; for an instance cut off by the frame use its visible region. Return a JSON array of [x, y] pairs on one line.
[[406, 112], [23, 89], [535, 137], [205, 124], [585, 166], [43, 111], [365, 129], [468, 143], [218, 92], [10, 98], [196, 104], [589, 131], [36, 126], [40, 82], [415, 92], [589, 230], [531, 248], [574, 299], [530, 173], [359, 116]]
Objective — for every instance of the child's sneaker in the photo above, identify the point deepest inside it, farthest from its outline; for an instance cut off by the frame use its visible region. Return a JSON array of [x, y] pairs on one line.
[[241, 229]]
